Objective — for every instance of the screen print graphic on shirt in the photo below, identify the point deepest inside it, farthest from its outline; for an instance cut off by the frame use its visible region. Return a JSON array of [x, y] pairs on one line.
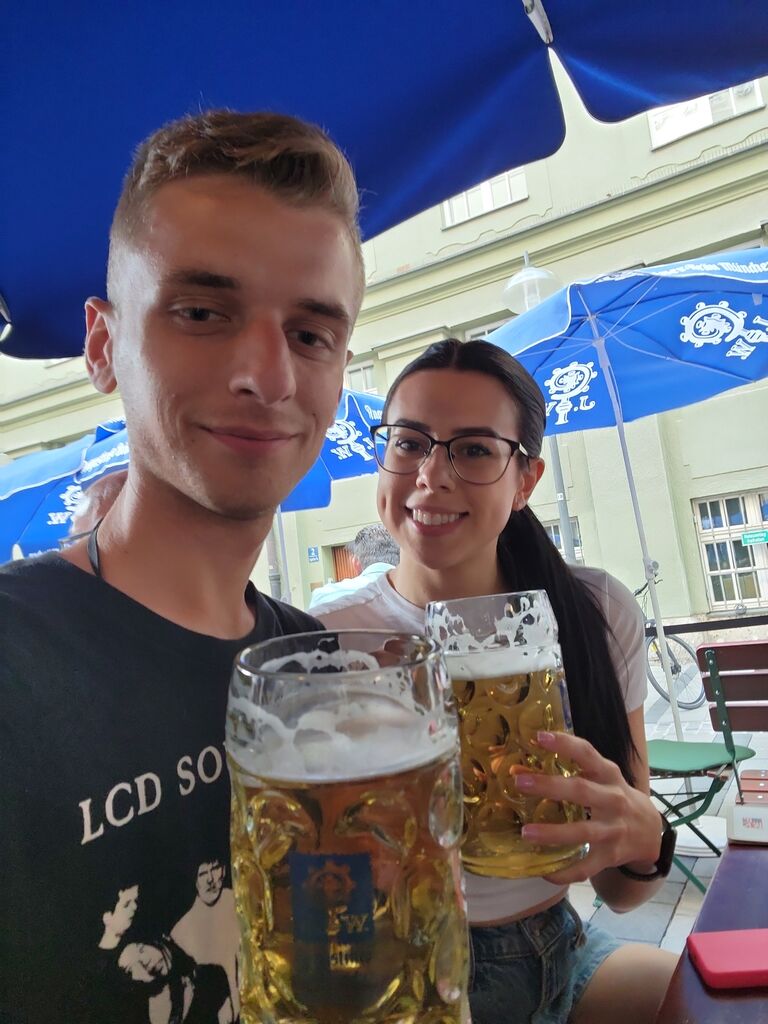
[[144, 793], [186, 970]]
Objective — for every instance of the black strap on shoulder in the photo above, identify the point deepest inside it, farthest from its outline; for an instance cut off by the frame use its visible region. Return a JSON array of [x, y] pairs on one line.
[[93, 550]]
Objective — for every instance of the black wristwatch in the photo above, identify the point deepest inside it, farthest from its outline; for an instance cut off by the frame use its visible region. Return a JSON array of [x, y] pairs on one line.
[[664, 862]]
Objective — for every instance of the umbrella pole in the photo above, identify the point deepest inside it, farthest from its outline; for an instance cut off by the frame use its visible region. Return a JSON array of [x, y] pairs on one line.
[[273, 565], [286, 583], [649, 564], [566, 533]]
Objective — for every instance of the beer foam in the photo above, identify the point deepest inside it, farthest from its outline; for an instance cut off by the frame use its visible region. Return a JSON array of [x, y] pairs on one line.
[[500, 661], [349, 736], [521, 641], [319, 660]]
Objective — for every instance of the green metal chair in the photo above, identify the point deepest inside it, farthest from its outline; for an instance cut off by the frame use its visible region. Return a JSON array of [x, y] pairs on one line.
[[720, 664]]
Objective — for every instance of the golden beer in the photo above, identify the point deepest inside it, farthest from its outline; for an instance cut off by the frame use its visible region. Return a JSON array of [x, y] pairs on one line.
[[507, 690], [345, 833]]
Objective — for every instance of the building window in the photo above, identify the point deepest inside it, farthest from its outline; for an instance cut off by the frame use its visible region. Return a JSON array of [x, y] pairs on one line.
[[360, 378], [553, 529], [732, 532], [503, 190], [481, 332], [668, 124]]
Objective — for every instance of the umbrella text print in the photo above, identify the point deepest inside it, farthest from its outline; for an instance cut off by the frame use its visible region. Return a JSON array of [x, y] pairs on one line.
[[112, 457], [713, 324]]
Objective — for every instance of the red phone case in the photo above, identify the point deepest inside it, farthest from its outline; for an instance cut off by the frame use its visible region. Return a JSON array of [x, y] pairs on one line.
[[736, 959]]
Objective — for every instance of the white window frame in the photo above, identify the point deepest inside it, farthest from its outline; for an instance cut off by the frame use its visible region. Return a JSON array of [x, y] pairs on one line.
[[552, 526], [679, 120], [367, 370], [482, 331], [720, 546], [484, 197]]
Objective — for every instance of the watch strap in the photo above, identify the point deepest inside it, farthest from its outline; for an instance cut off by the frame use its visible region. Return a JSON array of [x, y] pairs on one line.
[[665, 858]]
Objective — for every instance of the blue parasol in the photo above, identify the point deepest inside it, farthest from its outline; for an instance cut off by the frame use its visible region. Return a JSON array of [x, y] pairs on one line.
[[427, 98], [607, 350], [39, 492]]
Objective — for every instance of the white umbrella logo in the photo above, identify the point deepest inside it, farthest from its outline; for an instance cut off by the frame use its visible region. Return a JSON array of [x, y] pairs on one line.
[[568, 383], [348, 443], [713, 323]]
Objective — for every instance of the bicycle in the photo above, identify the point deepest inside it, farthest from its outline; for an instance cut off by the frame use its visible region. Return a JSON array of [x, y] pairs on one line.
[[686, 677]]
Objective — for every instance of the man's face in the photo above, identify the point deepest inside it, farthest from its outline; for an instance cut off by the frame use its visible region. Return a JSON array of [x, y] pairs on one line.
[[209, 883], [119, 920], [228, 339], [144, 962]]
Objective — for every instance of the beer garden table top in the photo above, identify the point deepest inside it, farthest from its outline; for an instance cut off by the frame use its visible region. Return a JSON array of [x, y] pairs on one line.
[[737, 898]]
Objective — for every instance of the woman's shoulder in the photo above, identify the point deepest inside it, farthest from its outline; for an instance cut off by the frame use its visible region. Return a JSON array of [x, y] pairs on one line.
[[622, 613], [607, 588]]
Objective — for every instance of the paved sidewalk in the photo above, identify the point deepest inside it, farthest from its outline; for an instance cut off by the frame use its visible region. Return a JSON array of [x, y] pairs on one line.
[[667, 919]]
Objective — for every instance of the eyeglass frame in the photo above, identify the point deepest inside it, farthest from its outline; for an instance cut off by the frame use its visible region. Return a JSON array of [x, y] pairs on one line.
[[515, 446], [70, 538]]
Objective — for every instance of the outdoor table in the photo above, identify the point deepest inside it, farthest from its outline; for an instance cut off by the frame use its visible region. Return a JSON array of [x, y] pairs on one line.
[[737, 898]]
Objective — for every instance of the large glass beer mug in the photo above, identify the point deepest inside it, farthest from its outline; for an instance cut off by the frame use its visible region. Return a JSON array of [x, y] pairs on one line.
[[507, 675], [346, 819]]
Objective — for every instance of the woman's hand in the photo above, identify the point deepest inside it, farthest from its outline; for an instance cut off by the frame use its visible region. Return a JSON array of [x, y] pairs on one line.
[[622, 826]]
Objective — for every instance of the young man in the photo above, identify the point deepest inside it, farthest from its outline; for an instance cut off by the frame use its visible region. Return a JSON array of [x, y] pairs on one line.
[[235, 276]]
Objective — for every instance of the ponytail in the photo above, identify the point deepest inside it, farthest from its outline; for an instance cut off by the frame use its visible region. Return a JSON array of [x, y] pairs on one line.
[[530, 561]]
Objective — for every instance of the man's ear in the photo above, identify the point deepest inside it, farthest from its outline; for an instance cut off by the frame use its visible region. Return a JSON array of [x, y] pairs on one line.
[[529, 477], [99, 326]]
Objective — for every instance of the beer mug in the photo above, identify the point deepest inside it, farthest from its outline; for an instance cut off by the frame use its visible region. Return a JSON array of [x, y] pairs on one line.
[[507, 675], [346, 819]]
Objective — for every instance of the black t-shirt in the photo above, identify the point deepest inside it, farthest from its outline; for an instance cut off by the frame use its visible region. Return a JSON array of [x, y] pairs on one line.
[[114, 802]]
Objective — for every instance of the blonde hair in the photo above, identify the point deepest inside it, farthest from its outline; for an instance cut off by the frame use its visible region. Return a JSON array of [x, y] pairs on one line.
[[289, 158]]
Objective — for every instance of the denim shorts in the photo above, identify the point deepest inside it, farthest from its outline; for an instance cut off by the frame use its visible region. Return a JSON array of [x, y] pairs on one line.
[[535, 970]]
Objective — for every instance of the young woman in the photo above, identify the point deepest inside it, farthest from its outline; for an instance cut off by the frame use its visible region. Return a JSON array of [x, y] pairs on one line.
[[462, 430]]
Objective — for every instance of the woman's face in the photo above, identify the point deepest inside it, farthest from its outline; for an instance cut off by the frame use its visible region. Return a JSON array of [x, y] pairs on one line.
[[437, 518]]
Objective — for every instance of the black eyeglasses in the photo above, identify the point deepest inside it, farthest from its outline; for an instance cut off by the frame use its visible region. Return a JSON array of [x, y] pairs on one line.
[[476, 458]]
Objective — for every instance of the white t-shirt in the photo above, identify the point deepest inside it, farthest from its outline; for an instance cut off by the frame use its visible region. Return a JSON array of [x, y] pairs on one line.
[[331, 592], [379, 606]]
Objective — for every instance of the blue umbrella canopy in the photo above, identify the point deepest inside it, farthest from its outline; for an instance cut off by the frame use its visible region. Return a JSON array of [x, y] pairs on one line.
[[663, 336], [347, 452], [427, 99], [38, 493]]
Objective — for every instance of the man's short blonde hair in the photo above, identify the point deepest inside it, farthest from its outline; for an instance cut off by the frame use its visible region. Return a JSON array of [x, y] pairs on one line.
[[289, 158]]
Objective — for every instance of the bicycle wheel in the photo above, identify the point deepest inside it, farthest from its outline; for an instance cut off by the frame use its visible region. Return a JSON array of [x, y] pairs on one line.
[[688, 684]]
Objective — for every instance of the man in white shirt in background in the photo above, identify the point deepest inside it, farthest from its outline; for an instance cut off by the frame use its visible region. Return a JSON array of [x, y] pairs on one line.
[[373, 552], [96, 501]]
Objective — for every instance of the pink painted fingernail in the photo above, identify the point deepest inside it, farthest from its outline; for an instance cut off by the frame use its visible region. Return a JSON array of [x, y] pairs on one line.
[[531, 832], [545, 737], [525, 781]]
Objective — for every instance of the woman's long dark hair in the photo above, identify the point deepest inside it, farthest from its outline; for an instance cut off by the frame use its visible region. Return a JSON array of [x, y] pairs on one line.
[[530, 561]]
